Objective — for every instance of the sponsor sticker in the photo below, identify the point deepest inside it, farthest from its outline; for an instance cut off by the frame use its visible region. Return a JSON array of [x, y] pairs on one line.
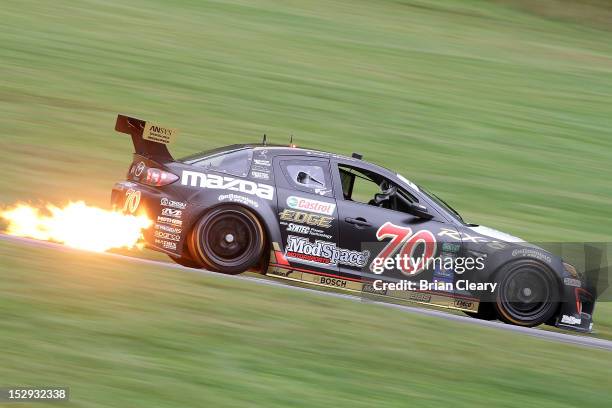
[[159, 134], [168, 228], [419, 297], [166, 244], [532, 253], [196, 179], [369, 288], [283, 273], [338, 283], [168, 236], [324, 252], [450, 247], [301, 217], [300, 229], [235, 198], [464, 304], [171, 221], [171, 203], [571, 320], [169, 212], [260, 175], [304, 229], [262, 162], [307, 204], [572, 282]]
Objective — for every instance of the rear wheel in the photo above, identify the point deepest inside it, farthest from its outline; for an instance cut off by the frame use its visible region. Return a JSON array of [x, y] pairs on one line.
[[527, 293], [228, 239]]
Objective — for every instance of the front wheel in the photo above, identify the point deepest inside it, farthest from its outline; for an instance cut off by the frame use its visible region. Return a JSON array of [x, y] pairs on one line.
[[527, 293], [228, 239]]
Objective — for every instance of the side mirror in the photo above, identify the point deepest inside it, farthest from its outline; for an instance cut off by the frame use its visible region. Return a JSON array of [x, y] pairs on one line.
[[420, 211], [416, 209]]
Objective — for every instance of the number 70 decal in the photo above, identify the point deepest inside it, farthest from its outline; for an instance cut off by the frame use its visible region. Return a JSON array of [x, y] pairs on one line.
[[404, 243]]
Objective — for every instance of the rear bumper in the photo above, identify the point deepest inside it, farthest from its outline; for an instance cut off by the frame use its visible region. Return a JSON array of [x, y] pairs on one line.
[[167, 234]]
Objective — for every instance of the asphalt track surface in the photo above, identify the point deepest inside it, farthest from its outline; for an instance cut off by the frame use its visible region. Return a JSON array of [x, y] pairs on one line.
[[578, 340]]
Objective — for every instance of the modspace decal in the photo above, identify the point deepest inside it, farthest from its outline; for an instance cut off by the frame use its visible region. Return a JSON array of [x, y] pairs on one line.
[[307, 204], [196, 179], [324, 252]]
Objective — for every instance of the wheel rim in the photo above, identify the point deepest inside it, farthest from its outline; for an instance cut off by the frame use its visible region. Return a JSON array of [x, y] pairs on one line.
[[229, 238], [527, 293]]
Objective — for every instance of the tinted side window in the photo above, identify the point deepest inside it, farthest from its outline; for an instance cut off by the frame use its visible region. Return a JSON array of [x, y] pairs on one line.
[[310, 176], [363, 186], [359, 186], [236, 163]]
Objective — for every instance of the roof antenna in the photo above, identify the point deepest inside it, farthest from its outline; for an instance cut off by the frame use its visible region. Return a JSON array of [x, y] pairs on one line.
[[264, 140], [291, 141]]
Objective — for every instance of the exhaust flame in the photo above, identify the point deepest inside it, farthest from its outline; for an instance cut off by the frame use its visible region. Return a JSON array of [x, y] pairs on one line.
[[77, 225]]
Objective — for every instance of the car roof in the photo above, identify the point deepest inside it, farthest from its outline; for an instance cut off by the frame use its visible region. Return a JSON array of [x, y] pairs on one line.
[[284, 150]]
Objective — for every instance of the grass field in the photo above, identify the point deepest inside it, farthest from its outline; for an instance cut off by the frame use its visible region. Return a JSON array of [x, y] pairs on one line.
[[126, 335], [500, 107]]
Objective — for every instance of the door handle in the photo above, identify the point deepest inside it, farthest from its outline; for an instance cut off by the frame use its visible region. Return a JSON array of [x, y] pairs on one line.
[[359, 222]]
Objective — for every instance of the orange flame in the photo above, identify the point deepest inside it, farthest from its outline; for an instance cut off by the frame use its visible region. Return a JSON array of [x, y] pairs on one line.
[[77, 225]]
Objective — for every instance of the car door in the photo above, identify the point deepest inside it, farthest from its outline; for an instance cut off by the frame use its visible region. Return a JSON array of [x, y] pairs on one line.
[[384, 231], [307, 213]]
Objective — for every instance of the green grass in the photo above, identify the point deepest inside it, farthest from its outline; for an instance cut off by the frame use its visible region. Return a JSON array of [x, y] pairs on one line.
[[502, 108], [503, 113], [122, 334]]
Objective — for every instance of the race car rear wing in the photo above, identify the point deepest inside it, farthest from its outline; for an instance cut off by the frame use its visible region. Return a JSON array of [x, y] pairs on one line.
[[150, 140]]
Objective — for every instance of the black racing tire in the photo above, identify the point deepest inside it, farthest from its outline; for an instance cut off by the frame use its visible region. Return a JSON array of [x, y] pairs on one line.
[[527, 293], [228, 239], [486, 311]]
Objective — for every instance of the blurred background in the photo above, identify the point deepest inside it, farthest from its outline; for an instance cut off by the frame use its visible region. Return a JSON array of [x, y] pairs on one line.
[[500, 107]]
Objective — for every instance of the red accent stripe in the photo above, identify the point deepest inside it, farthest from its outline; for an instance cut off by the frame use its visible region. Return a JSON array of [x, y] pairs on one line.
[[577, 292], [281, 259]]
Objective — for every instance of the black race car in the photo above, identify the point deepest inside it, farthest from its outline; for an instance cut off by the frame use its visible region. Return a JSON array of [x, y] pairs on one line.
[[340, 222]]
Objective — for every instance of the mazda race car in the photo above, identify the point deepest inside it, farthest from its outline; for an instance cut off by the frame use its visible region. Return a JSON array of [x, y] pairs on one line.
[[341, 222]]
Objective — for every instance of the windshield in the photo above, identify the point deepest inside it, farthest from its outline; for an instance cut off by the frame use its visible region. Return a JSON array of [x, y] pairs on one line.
[[433, 198]]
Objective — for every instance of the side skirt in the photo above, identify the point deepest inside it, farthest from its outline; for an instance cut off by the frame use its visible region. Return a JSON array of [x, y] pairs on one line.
[[366, 289]]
